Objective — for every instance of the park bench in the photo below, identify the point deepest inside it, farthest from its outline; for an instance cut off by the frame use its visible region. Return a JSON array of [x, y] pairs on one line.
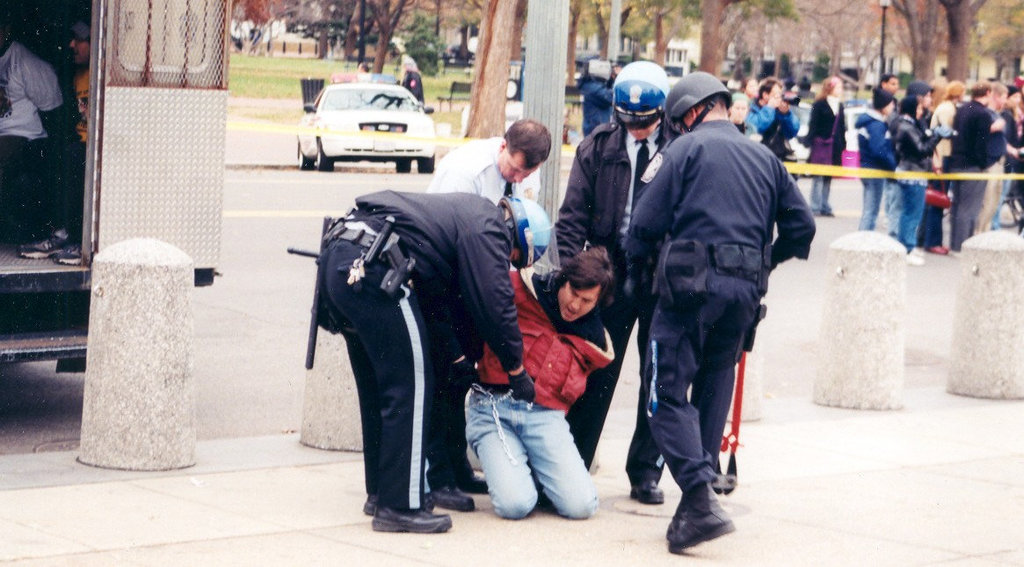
[[573, 97], [459, 91]]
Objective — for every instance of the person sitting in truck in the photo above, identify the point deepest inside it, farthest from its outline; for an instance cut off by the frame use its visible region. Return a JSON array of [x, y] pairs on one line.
[[64, 243], [29, 101]]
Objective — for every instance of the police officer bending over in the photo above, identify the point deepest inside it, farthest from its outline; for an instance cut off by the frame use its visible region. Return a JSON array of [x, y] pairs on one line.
[[393, 256], [714, 202]]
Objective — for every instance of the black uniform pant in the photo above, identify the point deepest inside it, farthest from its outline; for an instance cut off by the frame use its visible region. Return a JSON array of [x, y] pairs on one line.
[[587, 416], [389, 350], [446, 441], [697, 347]]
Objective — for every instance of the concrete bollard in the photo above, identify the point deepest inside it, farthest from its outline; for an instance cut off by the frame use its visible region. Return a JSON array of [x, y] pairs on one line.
[[330, 407], [862, 331], [986, 359], [139, 403]]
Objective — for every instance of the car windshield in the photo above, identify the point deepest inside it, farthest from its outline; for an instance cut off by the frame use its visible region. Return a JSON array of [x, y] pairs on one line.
[[368, 99]]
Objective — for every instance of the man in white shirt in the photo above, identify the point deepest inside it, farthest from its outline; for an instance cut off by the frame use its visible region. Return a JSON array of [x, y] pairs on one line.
[[496, 167]]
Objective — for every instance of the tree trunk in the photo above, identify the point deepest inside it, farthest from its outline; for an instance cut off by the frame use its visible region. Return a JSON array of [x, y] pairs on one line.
[[517, 30], [958, 23], [712, 48], [660, 41], [570, 53], [324, 45], [494, 50]]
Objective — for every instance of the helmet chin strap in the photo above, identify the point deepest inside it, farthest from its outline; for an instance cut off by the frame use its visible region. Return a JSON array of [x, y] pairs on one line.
[[700, 117]]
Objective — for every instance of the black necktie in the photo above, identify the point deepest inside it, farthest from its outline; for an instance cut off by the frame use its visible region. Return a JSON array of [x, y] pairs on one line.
[[508, 188], [642, 158]]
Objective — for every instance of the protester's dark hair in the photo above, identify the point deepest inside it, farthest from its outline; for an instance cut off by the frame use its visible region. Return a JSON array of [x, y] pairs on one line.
[[589, 268], [908, 106], [886, 77], [531, 138], [766, 87]]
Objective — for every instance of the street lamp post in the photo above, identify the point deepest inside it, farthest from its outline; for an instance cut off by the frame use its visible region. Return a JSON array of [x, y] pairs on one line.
[[881, 56]]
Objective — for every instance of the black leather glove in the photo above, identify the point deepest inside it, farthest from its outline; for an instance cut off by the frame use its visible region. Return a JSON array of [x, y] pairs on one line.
[[522, 387], [464, 374], [634, 281]]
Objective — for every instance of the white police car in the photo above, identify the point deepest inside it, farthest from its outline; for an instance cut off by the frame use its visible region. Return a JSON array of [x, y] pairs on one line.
[[366, 109]]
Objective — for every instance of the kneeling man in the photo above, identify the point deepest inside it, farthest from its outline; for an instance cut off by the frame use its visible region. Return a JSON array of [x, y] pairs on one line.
[[523, 442]]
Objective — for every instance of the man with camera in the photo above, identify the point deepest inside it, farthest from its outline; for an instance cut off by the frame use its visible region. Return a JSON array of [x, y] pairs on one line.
[[770, 116], [596, 87]]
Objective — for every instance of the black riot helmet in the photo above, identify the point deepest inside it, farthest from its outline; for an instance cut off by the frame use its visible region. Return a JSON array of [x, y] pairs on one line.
[[690, 91]]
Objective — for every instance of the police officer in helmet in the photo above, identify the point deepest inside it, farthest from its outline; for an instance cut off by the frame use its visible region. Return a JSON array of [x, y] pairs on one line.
[[394, 263], [712, 207], [606, 178]]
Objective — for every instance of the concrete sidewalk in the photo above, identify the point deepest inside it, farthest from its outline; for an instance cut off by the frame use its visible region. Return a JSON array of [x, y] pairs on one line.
[[939, 482]]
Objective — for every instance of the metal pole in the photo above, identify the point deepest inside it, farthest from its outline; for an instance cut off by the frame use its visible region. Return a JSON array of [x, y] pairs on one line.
[[614, 35], [362, 31], [547, 36]]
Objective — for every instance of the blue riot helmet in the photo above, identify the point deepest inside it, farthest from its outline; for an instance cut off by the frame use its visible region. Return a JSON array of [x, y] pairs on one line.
[[639, 94], [530, 227]]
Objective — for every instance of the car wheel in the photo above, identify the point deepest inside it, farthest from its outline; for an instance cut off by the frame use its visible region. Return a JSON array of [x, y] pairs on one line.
[[305, 164], [403, 165], [425, 165], [323, 163]]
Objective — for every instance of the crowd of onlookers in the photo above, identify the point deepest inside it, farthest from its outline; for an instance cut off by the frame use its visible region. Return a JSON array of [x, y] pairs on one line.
[[940, 127]]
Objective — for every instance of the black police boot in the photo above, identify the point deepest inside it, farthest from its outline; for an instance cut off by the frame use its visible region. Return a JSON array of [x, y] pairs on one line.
[[647, 492], [470, 482], [452, 498], [414, 521], [370, 506], [698, 518]]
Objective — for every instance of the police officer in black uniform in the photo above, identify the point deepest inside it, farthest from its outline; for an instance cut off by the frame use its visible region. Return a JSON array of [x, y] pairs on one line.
[[604, 183], [713, 207], [390, 258]]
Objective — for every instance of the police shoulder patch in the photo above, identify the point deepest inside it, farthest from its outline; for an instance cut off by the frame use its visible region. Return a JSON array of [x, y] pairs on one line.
[[652, 168]]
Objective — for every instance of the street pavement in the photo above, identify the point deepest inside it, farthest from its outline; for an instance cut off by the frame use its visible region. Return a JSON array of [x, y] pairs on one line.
[[938, 482]]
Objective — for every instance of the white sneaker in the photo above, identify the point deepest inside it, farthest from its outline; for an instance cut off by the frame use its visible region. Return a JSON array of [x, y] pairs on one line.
[[918, 252], [914, 260]]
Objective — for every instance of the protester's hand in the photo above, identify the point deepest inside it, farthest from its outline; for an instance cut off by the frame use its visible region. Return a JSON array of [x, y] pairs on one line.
[[464, 373], [522, 386]]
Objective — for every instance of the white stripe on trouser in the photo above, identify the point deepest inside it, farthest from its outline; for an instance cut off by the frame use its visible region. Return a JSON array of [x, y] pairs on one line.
[[415, 473]]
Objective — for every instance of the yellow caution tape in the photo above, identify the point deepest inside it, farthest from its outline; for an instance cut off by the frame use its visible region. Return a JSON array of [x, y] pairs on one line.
[[858, 172], [567, 150]]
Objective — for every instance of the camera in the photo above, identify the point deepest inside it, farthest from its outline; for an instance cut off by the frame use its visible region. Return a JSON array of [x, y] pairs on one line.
[[791, 99]]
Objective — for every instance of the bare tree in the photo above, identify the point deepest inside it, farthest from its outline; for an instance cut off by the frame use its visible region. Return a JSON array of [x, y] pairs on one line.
[[494, 51], [386, 15], [922, 34], [960, 17], [1002, 39]]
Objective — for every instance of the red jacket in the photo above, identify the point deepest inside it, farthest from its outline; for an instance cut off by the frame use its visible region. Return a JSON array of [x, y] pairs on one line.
[[558, 363]]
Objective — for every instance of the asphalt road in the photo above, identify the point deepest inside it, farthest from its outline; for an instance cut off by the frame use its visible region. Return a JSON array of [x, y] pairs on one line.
[[251, 324]]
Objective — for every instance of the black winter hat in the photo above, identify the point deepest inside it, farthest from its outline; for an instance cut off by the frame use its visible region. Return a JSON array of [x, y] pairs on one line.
[[880, 99], [918, 89]]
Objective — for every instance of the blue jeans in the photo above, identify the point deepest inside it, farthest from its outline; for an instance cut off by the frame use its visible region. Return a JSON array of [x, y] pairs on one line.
[[872, 201], [820, 189], [516, 441], [913, 207], [893, 206]]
